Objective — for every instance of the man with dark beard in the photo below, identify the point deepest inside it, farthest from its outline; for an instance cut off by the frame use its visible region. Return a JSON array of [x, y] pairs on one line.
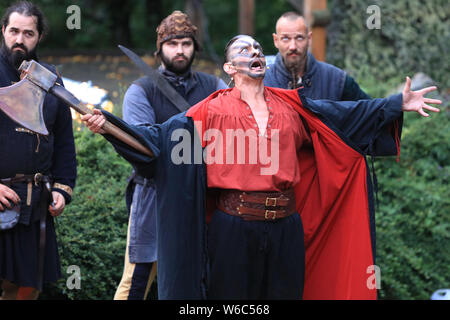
[[145, 105], [295, 67], [17, 49], [30, 163]]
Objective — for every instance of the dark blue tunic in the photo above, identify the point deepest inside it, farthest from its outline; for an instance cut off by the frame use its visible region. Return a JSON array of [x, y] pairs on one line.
[[22, 152], [320, 81]]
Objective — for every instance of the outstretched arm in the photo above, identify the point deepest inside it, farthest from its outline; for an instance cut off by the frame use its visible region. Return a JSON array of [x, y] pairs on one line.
[[147, 136], [415, 100], [373, 125]]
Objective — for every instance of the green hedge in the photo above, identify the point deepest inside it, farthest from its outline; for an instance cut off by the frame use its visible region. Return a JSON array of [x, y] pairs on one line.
[[413, 220], [92, 230], [414, 37]]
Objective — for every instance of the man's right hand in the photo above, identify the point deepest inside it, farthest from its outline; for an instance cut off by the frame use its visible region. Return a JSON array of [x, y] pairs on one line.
[[95, 121], [7, 195], [416, 101]]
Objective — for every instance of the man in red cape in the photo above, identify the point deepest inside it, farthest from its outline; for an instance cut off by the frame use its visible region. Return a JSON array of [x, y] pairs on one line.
[[264, 240]]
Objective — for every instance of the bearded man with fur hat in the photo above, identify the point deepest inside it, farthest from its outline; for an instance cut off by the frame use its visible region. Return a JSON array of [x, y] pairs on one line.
[[145, 105]]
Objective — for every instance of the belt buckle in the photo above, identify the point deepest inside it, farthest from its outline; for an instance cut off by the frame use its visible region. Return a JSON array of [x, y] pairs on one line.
[[274, 202], [37, 178], [273, 212]]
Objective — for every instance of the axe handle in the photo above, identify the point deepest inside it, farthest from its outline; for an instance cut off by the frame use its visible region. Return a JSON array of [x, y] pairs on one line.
[[110, 128]]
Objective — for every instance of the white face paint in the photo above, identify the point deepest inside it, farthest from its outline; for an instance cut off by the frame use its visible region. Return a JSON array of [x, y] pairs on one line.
[[246, 55]]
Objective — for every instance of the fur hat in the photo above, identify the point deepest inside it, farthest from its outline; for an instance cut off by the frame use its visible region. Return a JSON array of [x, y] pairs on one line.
[[177, 25]]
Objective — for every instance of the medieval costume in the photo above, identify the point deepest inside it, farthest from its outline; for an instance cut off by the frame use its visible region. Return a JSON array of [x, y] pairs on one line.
[[27, 161]]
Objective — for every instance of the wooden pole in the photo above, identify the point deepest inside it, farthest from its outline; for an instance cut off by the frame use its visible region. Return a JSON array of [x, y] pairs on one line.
[[246, 17], [313, 9], [193, 8]]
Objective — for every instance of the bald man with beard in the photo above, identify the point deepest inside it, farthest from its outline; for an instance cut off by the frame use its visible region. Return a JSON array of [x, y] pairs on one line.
[[295, 67]]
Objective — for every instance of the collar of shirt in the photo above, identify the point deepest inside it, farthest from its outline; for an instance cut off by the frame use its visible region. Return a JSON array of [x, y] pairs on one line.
[[311, 63], [173, 77], [186, 79], [235, 93]]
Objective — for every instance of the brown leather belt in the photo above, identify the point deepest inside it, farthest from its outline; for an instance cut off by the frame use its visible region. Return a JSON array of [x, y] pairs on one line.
[[36, 178], [257, 205]]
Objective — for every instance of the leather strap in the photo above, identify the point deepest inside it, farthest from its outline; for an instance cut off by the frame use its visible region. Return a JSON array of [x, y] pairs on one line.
[[36, 178], [42, 235], [265, 200], [257, 205], [259, 213], [160, 81]]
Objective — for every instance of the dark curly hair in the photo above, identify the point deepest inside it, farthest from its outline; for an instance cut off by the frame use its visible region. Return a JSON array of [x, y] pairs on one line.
[[27, 9]]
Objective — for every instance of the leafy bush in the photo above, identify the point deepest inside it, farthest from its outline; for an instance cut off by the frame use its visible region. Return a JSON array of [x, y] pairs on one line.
[[92, 231], [414, 37], [413, 220]]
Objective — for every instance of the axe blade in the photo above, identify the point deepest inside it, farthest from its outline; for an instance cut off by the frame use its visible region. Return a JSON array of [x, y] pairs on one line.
[[23, 102]]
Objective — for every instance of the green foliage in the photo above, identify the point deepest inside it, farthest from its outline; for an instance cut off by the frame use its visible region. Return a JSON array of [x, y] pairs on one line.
[[224, 22], [414, 37], [98, 27], [92, 231], [413, 221]]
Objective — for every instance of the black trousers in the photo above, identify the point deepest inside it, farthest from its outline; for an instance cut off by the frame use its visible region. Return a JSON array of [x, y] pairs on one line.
[[255, 259]]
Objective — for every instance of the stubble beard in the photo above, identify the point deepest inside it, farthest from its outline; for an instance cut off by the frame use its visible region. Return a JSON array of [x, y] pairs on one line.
[[298, 64]]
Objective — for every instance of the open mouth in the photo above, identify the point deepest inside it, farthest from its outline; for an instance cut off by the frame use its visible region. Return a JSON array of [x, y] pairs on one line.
[[256, 65]]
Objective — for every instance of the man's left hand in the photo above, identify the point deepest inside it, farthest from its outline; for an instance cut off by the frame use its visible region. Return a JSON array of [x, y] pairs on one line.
[[415, 100], [59, 204]]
